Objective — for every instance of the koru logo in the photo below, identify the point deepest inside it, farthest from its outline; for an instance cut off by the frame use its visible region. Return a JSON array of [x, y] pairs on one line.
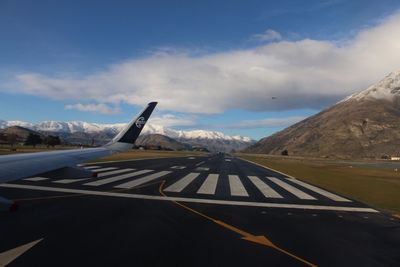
[[140, 122]]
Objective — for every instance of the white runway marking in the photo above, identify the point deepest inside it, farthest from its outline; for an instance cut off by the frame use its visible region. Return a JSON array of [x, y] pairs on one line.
[[198, 164], [91, 167], [298, 193], [114, 172], [70, 181], [191, 158], [117, 178], [143, 180], [265, 189], [36, 179], [210, 185], [105, 169], [320, 191], [202, 169], [236, 186], [182, 183], [190, 200], [228, 160], [178, 167]]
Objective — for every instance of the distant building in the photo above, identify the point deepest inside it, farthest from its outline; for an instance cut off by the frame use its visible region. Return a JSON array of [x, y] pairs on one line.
[[395, 158]]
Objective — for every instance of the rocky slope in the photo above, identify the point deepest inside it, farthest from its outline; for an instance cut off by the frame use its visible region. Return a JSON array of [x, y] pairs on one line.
[[366, 124]]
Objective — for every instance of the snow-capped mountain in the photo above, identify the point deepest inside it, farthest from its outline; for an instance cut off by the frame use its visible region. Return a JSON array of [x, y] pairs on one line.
[[213, 140], [388, 88]]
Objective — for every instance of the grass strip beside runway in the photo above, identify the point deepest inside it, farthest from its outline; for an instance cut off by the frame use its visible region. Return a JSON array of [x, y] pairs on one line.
[[379, 188]]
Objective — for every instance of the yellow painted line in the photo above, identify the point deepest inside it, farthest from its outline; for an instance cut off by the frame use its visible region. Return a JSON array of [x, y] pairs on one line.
[[262, 240]]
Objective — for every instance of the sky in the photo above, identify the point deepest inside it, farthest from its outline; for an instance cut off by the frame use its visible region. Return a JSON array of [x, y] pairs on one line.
[[240, 67]]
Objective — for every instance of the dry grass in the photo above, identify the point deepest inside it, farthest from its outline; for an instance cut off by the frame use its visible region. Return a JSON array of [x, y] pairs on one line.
[[378, 187], [148, 154], [5, 149]]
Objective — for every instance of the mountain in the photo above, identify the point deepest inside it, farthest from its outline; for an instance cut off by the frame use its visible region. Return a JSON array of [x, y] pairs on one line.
[[363, 125], [21, 132], [161, 141], [86, 133]]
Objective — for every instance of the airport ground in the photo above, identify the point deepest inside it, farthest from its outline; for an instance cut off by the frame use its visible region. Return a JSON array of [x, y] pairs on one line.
[[375, 182], [191, 210]]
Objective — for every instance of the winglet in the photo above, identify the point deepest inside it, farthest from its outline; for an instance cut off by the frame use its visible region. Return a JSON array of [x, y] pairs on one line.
[[127, 137]]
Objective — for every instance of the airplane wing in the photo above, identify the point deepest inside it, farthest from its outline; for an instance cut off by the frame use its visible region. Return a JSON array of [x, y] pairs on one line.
[[14, 167]]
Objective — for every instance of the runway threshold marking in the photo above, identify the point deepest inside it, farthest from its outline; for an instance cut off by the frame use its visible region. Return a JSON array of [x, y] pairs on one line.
[[209, 185], [298, 193], [265, 189], [258, 239], [117, 178], [236, 187], [36, 179], [182, 183], [9, 256], [319, 191]]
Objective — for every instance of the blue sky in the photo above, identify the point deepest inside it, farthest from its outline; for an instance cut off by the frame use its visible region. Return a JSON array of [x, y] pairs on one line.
[[214, 65]]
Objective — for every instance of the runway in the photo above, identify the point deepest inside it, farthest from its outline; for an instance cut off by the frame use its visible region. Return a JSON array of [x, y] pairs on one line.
[[214, 210]]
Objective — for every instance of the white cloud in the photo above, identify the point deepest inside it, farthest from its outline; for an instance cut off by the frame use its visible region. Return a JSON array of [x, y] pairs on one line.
[[170, 120], [266, 123], [100, 108], [268, 35], [301, 74]]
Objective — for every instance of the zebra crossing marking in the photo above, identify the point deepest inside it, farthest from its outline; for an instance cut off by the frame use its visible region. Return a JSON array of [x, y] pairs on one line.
[[178, 167], [90, 167], [117, 178], [182, 183], [36, 179], [143, 180], [105, 169], [265, 189], [114, 172], [70, 181], [297, 192], [236, 186], [209, 185], [319, 191]]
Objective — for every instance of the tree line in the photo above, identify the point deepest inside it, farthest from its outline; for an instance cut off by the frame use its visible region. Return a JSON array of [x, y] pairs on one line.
[[32, 140]]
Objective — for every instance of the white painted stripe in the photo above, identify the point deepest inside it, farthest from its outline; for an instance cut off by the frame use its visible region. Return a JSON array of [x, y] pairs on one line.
[[70, 181], [190, 200], [105, 169], [198, 164], [228, 160], [36, 179], [210, 185], [265, 189], [298, 193], [182, 183], [236, 186], [143, 180], [202, 169], [117, 178], [320, 191], [114, 172], [191, 158], [91, 167], [178, 167]]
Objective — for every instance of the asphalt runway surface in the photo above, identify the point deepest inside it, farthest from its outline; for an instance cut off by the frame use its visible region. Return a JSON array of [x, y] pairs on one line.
[[212, 210]]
